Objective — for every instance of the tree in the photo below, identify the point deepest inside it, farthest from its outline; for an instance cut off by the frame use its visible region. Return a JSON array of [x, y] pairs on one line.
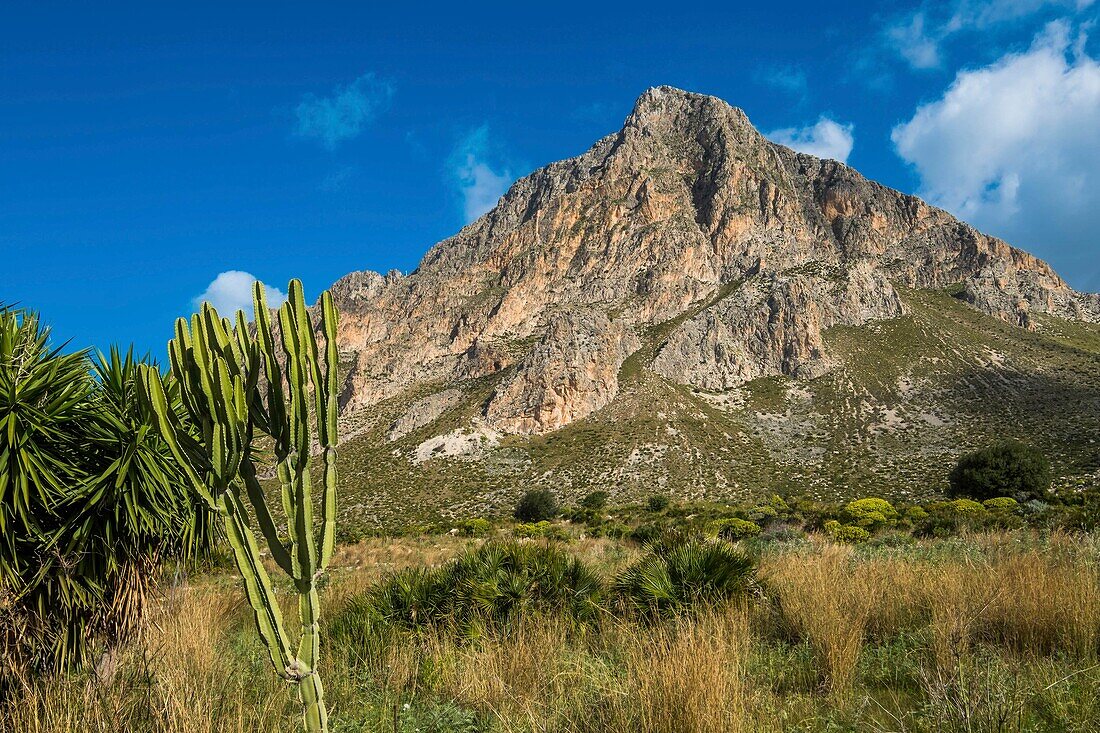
[[239, 388], [91, 500], [537, 505], [595, 500], [1010, 468]]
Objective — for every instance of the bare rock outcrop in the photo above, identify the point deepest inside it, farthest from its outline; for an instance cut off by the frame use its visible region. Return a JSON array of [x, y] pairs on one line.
[[686, 201], [572, 372], [773, 325]]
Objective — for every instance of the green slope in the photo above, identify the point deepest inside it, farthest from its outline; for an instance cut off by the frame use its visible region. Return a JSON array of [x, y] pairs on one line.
[[904, 399]]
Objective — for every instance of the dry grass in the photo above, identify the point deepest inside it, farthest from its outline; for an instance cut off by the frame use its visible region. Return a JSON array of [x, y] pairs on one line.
[[823, 600], [996, 629]]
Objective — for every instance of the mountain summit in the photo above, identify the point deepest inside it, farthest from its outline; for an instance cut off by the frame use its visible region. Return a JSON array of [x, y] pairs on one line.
[[685, 246]]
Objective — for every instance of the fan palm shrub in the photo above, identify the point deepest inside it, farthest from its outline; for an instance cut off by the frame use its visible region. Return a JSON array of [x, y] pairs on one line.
[[675, 577], [493, 586]]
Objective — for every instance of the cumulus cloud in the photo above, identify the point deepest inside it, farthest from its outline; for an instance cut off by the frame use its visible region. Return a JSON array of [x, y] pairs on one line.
[[231, 291], [918, 36], [826, 138], [345, 113], [1014, 148], [479, 174]]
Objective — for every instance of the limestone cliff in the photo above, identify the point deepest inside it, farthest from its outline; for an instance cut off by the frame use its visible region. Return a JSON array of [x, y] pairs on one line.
[[686, 218]]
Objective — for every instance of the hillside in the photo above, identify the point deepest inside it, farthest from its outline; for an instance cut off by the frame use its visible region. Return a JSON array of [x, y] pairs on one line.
[[690, 308]]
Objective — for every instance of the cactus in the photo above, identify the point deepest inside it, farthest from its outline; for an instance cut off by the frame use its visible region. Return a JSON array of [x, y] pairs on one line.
[[236, 390]]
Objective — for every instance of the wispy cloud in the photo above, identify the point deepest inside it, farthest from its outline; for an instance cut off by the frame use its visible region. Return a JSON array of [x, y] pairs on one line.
[[826, 138], [345, 113], [918, 36], [1014, 147], [480, 173], [785, 78], [231, 291]]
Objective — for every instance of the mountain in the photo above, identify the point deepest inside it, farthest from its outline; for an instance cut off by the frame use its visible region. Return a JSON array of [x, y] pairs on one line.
[[688, 307]]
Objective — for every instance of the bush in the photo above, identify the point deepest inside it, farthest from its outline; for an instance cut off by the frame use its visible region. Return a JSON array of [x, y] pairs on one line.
[[657, 503], [611, 530], [595, 500], [490, 586], [762, 513], [846, 533], [686, 574], [966, 507], [647, 534], [541, 530], [475, 527], [1006, 469], [537, 505], [1002, 504], [871, 514], [734, 529]]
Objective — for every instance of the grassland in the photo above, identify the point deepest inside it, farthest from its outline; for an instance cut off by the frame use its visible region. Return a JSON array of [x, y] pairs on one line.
[[987, 632], [904, 399]]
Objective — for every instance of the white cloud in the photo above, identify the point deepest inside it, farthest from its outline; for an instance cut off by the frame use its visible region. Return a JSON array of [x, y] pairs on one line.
[[826, 138], [910, 39], [231, 291], [918, 36], [344, 114], [480, 182], [1014, 147]]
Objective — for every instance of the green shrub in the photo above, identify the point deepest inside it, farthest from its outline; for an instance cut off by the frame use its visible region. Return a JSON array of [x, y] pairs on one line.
[[733, 529], [762, 513], [647, 534], [1002, 504], [487, 587], [846, 533], [543, 529], [915, 515], [684, 575], [474, 527], [657, 503], [1006, 469], [871, 513], [537, 505], [966, 507], [595, 500], [611, 530]]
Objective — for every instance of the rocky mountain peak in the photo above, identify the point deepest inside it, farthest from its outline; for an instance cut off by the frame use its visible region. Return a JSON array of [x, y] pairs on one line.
[[739, 251]]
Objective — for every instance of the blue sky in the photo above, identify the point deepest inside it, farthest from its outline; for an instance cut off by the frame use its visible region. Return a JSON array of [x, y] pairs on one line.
[[151, 154]]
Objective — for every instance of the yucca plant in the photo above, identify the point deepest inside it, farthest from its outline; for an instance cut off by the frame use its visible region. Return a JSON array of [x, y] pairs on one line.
[[238, 388], [677, 576], [90, 500]]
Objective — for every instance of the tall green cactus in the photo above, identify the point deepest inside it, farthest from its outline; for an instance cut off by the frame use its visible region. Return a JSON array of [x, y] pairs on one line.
[[238, 389]]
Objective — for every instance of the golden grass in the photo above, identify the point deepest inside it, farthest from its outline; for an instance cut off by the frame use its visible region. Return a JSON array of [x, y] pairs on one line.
[[976, 618]]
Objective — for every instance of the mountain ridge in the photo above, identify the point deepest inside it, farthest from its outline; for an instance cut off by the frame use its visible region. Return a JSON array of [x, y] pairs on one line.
[[686, 199]]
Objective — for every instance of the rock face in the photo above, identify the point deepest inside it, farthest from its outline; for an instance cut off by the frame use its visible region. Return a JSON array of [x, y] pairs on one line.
[[686, 218], [571, 372]]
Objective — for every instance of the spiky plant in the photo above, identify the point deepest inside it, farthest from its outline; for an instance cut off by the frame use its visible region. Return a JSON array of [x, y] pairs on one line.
[[238, 388], [90, 500], [675, 577], [492, 586]]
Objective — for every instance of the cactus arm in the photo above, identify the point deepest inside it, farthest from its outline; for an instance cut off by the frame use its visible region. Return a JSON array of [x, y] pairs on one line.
[[255, 492], [258, 588], [327, 419]]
